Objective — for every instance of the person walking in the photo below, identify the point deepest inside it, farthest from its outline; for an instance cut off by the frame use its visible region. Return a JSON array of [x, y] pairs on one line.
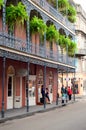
[[63, 93], [69, 93], [47, 95], [43, 94]]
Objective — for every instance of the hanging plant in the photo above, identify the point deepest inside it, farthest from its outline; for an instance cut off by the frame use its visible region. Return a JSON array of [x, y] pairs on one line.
[[62, 41], [63, 5], [16, 14], [52, 34], [71, 14], [72, 19], [72, 48], [37, 25], [1, 4], [71, 11]]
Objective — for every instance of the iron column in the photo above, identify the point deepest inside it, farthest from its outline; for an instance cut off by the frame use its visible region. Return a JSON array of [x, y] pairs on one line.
[[3, 86]]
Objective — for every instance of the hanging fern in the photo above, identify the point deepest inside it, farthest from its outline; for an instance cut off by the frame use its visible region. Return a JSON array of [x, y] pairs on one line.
[[16, 14], [61, 41], [63, 5], [72, 48], [52, 34], [71, 11], [37, 25]]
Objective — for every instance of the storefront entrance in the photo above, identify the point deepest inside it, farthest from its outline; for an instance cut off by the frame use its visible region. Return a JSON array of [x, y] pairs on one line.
[[10, 87], [32, 90]]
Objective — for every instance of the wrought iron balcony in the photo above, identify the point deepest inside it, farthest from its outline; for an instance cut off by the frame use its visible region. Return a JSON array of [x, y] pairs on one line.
[[81, 52], [55, 13], [40, 51]]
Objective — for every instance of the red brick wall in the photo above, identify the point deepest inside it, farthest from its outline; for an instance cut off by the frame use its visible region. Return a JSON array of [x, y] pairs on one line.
[[20, 31]]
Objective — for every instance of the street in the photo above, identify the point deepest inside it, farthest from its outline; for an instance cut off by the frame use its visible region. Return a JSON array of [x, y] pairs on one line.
[[71, 117]]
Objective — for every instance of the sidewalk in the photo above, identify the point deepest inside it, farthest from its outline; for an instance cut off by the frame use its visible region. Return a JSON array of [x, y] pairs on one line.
[[22, 112]]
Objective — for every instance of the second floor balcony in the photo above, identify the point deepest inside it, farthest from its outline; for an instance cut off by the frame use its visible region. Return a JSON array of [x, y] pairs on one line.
[[7, 41], [55, 13]]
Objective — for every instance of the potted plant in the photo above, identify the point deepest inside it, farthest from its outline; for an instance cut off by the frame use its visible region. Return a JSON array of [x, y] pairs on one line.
[[71, 13], [63, 6], [62, 41], [72, 48], [16, 15], [37, 25], [72, 19], [52, 34]]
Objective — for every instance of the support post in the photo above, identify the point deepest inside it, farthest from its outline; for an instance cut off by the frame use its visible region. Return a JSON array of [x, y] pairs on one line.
[[74, 87], [57, 94], [44, 85], [3, 86], [27, 87]]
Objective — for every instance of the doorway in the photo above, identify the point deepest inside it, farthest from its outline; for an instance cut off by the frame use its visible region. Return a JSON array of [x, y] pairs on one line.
[[10, 86]]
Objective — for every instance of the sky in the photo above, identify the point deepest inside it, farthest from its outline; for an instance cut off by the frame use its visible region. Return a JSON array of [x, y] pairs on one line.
[[82, 2]]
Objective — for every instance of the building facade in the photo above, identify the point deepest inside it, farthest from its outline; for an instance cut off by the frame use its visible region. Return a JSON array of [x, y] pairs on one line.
[[25, 64], [80, 28]]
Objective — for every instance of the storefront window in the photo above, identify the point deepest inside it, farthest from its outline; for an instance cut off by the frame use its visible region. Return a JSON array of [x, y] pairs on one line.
[[40, 82]]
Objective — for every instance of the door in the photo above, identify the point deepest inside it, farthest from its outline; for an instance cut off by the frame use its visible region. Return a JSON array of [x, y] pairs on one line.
[[10, 92]]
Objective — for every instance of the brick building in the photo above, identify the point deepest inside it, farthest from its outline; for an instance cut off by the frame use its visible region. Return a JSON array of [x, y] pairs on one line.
[[25, 64]]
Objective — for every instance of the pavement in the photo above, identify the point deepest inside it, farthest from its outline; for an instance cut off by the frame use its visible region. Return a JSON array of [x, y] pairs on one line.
[[18, 113]]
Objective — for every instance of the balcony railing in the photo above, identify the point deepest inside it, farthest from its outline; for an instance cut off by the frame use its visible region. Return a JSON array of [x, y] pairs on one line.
[[14, 43], [47, 7]]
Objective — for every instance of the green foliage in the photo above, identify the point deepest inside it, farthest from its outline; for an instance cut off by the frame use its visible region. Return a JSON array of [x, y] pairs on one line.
[[1, 4], [37, 25], [67, 44], [62, 41], [72, 19], [52, 34], [71, 14], [71, 11], [63, 5], [16, 14], [67, 10], [72, 48]]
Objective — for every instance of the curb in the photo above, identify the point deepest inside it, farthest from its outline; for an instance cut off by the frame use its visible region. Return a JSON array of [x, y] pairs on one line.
[[3, 120]]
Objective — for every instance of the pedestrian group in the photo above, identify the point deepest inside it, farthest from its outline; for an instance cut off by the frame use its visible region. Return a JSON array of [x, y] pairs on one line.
[[66, 93]]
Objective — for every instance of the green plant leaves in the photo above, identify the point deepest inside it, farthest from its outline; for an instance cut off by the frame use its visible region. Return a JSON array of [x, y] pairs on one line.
[[16, 14], [37, 25], [1, 4], [52, 34], [67, 10], [67, 44], [72, 48]]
